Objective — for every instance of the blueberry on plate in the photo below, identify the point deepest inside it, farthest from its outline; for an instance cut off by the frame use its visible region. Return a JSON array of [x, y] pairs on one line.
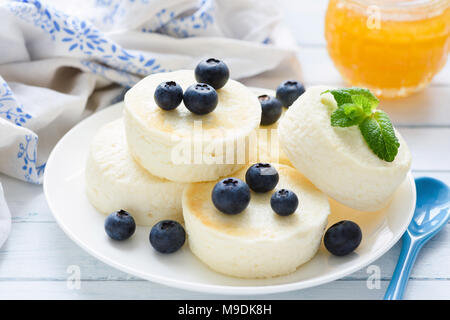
[[231, 195], [271, 109], [284, 202], [168, 95], [213, 72], [167, 236], [200, 98], [289, 91], [120, 225], [262, 177], [342, 237]]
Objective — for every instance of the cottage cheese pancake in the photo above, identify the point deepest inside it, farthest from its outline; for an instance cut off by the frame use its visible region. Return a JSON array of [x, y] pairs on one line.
[[115, 181], [337, 160], [256, 243], [181, 146]]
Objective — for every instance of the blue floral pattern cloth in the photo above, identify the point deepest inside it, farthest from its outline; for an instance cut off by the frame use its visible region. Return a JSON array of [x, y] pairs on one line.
[[60, 57]]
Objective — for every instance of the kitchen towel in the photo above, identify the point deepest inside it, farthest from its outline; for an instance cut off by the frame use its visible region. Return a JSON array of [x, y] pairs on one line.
[[5, 218], [62, 60]]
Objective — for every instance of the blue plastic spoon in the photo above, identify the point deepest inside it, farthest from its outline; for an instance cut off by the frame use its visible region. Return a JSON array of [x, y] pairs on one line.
[[431, 214]]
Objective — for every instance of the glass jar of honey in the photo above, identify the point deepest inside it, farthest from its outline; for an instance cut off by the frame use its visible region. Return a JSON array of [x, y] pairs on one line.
[[393, 47]]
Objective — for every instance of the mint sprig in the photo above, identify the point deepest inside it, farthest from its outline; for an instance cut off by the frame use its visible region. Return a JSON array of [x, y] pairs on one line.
[[357, 106]]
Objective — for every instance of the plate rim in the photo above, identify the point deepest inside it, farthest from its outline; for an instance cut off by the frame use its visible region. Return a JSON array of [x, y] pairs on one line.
[[210, 288]]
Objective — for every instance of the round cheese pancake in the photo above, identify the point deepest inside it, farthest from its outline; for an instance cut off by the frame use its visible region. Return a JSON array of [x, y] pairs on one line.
[[115, 181], [256, 243], [338, 160], [181, 146]]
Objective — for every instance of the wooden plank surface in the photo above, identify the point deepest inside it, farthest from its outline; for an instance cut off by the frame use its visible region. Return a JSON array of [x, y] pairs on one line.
[[139, 290]]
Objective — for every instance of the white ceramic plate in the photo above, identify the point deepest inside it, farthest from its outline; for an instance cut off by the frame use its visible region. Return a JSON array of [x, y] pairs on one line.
[[64, 190]]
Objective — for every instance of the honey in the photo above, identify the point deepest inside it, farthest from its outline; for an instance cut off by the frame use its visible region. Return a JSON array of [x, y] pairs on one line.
[[392, 47]]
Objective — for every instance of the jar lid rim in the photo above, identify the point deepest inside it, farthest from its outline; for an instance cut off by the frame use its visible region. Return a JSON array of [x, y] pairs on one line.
[[396, 4]]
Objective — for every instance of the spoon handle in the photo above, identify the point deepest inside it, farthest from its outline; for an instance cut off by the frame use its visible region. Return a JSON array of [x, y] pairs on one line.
[[408, 254]]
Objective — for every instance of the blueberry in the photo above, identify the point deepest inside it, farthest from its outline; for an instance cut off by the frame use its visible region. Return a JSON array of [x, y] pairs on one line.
[[231, 195], [200, 98], [167, 236], [168, 95], [262, 177], [271, 109], [284, 202], [342, 238], [213, 72], [289, 91], [120, 225]]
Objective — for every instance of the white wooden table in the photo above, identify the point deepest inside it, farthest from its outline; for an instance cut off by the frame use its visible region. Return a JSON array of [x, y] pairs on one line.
[[36, 261]]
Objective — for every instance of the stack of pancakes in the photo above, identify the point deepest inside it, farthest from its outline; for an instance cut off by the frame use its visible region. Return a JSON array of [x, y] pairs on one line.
[[159, 164]]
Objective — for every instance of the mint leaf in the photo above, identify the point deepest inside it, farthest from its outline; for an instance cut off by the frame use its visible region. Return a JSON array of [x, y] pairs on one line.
[[340, 96], [345, 95], [379, 134], [339, 119], [365, 103], [347, 115], [387, 129], [353, 111], [357, 106]]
